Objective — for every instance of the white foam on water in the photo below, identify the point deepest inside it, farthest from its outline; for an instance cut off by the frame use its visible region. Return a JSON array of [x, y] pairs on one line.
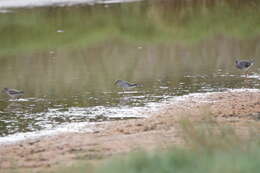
[[254, 76], [92, 112], [121, 111], [26, 99], [72, 127], [128, 92], [109, 112], [6, 4]]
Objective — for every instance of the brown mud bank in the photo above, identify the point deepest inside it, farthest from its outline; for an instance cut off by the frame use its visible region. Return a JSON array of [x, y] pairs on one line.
[[239, 108]]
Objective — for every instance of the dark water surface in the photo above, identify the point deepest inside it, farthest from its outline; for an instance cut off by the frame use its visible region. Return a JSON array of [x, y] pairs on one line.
[[66, 59]]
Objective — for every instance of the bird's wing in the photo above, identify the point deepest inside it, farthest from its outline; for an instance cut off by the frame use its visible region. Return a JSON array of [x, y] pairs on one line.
[[13, 91], [247, 64]]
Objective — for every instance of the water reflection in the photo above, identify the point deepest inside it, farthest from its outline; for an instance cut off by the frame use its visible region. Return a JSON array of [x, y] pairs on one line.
[[67, 59], [13, 107]]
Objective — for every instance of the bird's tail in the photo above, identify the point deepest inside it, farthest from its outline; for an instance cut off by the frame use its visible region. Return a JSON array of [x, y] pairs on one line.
[[139, 85]]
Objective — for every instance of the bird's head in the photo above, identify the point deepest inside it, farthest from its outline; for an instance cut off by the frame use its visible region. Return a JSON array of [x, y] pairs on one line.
[[116, 82]]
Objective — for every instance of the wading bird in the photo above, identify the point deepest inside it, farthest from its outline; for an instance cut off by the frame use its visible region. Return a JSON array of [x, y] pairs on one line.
[[244, 65], [13, 93], [126, 85]]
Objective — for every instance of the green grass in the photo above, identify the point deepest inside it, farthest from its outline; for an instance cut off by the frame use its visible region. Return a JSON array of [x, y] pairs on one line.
[[211, 148], [187, 161]]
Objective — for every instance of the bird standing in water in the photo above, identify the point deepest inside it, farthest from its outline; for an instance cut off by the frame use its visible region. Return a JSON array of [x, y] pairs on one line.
[[13, 93], [244, 65], [126, 85]]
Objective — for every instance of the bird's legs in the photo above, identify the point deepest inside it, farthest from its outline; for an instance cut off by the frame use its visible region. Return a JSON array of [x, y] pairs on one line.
[[247, 80], [247, 73]]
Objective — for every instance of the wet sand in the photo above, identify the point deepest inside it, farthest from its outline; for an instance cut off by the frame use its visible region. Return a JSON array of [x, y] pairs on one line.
[[239, 108]]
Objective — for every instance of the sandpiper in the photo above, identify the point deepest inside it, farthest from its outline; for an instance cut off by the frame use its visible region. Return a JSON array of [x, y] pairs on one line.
[[126, 85], [244, 65], [13, 93]]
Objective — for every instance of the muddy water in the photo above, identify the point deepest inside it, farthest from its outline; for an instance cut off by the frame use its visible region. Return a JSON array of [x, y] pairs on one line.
[[66, 59]]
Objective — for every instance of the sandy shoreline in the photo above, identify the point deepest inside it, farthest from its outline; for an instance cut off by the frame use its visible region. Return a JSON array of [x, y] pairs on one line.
[[240, 108]]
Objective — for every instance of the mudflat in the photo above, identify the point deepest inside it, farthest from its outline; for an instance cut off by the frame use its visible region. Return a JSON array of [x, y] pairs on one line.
[[239, 108]]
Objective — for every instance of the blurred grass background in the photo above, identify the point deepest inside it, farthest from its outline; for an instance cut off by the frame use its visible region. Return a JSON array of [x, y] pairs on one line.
[[33, 30]]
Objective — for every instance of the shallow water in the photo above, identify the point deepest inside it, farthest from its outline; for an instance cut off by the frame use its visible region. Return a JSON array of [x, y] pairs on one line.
[[66, 60]]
